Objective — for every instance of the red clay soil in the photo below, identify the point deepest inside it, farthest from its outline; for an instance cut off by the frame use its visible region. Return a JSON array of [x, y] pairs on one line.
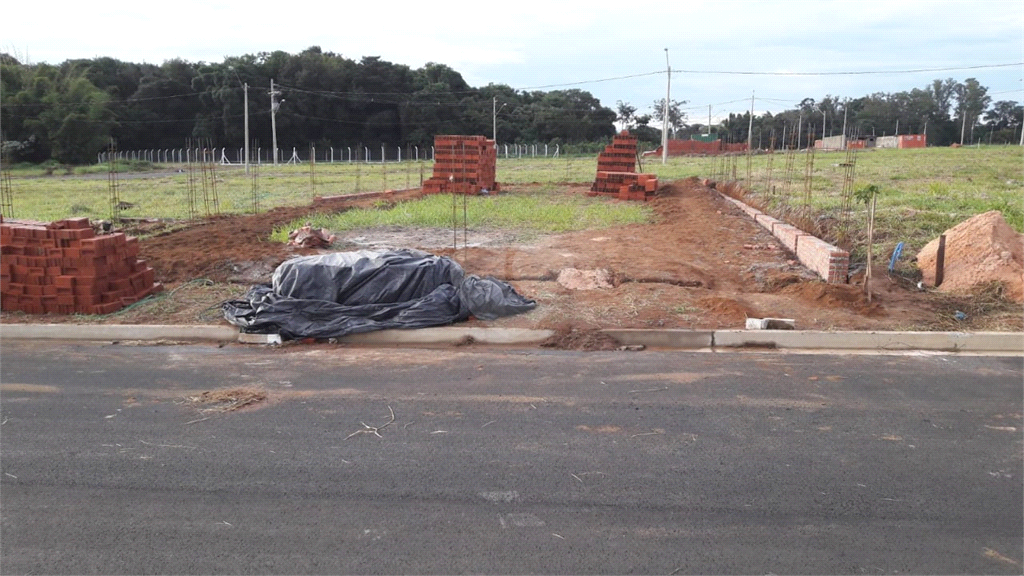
[[701, 264]]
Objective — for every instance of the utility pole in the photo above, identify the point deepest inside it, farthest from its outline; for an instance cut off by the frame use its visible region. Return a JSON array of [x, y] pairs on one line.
[[664, 122], [494, 120], [1022, 135], [750, 126], [963, 125], [846, 109], [246, 86], [709, 121], [274, 105], [799, 129]]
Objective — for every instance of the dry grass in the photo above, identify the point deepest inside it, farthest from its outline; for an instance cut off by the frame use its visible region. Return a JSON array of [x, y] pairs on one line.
[[226, 400], [982, 309]]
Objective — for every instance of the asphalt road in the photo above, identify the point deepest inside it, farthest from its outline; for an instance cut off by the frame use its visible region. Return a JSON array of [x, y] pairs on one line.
[[521, 461]]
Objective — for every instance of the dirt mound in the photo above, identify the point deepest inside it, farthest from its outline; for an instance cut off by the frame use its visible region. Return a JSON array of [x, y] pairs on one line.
[[576, 339], [844, 296], [979, 250], [728, 310]]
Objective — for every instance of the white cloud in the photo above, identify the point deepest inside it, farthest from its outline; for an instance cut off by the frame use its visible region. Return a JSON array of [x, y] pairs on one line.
[[534, 43]]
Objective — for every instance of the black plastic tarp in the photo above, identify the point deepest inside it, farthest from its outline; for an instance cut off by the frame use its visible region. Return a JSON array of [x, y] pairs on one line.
[[331, 295]]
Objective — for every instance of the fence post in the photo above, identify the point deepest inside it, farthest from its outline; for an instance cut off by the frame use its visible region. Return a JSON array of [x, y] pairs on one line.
[[417, 153], [399, 154]]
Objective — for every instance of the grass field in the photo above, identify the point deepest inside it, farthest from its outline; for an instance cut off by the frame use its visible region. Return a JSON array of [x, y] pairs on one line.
[[922, 192], [533, 211]]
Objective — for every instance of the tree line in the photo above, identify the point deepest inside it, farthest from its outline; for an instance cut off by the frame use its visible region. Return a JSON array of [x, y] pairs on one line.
[[947, 111], [69, 112]]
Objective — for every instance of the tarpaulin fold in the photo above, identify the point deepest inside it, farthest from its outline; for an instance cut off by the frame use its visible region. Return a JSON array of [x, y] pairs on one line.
[[332, 295]]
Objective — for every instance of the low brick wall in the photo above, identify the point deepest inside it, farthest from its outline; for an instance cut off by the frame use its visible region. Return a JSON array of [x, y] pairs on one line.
[[827, 261], [788, 234], [63, 267]]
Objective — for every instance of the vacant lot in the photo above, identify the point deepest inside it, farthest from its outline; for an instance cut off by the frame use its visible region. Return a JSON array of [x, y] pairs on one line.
[[693, 261]]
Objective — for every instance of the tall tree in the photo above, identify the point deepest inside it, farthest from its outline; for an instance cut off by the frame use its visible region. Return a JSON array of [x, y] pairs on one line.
[[971, 100]]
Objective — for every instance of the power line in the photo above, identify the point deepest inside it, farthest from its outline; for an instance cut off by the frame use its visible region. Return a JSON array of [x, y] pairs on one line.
[[850, 72], [760, 73], [594, 81]]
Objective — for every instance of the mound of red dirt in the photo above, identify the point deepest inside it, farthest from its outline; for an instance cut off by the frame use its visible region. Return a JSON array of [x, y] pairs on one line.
[[979, 250]]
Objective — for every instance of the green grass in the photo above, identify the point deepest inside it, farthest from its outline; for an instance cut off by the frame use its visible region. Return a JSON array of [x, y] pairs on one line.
[[537, 212], [923, 191]]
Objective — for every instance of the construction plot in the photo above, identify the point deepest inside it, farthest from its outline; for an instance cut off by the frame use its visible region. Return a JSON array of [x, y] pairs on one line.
[[700, 263]]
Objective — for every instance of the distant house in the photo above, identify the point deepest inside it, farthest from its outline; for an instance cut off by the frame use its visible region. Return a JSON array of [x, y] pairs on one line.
[[861, 142], [699, 144], [902, 141]]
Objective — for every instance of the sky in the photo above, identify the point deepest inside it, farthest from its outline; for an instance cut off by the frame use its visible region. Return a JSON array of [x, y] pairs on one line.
[[615, 50]]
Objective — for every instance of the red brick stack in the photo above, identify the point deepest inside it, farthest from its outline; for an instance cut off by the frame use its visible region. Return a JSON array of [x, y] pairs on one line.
[[463, 165], [616, 172], [64, 268]]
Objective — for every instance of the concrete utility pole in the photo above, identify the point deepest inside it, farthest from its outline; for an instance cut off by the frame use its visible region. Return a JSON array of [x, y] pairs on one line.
[[963, 125], [846, 109], [750, 126], [494, 119], [799, 130], [274, 105], [709, 121], [664, 122], [246, 86]]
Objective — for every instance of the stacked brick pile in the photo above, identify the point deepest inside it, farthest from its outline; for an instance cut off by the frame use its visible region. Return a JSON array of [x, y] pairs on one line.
[[463, 165], [616, 172], [64, 268]]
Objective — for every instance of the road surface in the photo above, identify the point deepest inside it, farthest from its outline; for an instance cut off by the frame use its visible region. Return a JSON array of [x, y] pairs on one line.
[[506, 461]]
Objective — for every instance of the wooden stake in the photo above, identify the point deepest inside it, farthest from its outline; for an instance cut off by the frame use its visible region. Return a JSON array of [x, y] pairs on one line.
[[871, 241]]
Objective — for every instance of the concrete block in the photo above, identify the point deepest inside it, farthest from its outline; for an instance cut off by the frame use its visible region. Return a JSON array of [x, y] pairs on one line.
[[771, 324], [268, 339]]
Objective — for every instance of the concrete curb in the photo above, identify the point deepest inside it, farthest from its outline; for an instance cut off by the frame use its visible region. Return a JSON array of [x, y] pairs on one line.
[[217, 333], [992, 342], [221, 333], [451, 335], [1011, 342]]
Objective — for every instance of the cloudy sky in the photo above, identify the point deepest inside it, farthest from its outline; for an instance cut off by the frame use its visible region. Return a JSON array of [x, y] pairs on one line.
[[615, 50]]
